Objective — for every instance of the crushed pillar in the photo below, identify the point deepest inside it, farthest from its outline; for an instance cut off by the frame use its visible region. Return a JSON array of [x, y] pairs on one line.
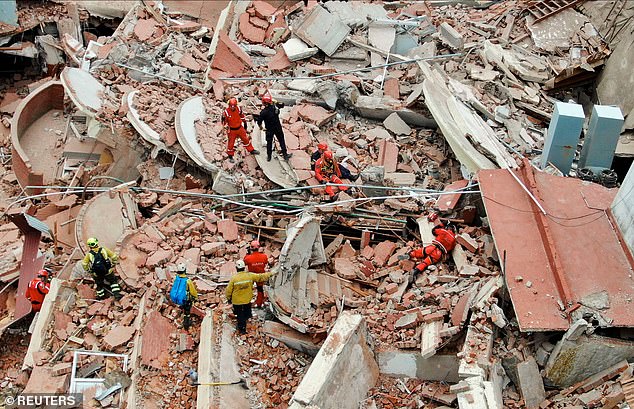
[[562, 137], [602, 136]]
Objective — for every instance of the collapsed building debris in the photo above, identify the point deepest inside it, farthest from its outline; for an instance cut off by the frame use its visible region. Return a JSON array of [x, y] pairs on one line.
[[434, 108]]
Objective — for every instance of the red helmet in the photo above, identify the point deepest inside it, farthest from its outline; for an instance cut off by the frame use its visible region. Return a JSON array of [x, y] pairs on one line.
[[233, 102], [255, 244], [328, 155], [267, 98], [322, 147], [42, 273]]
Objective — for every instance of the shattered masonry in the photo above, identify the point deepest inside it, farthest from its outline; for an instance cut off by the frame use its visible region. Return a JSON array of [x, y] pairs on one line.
[[510, 120]]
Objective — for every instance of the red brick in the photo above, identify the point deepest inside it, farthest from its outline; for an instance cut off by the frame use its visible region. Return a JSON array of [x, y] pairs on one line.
[[383, 251], [119, 335], [264, 10], [229, 229], [279, 61], [391, 88], [229, 57], [250, 32], [467, 242], [391, 288], [388, 155], [144, 29], [156, 340]]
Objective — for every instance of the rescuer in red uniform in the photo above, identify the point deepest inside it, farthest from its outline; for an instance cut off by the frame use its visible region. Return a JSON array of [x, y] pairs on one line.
[[443, 243], [257, 262], [327, 170], [37, 290], [235, 122]]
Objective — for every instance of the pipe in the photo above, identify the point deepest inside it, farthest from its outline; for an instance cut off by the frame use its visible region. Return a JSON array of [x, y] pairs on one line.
[[334, 74], [160, 76], [527, 191]]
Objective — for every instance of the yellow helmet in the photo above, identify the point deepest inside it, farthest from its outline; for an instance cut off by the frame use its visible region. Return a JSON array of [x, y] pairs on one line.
[[92, 242]]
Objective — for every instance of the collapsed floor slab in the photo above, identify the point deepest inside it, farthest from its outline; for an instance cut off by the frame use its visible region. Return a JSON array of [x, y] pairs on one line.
[[344, 359]]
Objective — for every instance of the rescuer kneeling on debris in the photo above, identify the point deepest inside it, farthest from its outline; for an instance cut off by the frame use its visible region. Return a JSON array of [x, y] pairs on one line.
[[270, 115], [235, 123], [327, 170], [240, 291], [257, 262], [184, 293], [321, 148], [100, 262], [37, 290], [444, 242]]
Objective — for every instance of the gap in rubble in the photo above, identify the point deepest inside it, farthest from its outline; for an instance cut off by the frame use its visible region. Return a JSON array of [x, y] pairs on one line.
[[621, 165], [101, 27]]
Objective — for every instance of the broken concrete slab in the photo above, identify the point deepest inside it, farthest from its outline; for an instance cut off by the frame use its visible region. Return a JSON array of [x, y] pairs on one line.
[[322, 29], [531, 383], [188, 113], [413, 365], [83, 89], [278, 170], [382, 37], [119, 335], [292, 338], [344, 359], [229, 57], [380, 108], [451, 36], [396, 125], [574, 361], [295, 49]]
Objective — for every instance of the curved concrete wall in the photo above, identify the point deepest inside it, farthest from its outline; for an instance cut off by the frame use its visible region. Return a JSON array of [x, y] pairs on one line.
[[47, 97]]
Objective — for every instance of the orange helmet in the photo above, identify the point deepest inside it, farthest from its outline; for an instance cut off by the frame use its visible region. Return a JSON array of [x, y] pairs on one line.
[[328, 155], [267, 98], [255, 244], [233, 102], [322, 147]]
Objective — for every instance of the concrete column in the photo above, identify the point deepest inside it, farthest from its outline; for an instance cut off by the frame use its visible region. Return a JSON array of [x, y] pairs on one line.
[[602, 136], [563, 135]]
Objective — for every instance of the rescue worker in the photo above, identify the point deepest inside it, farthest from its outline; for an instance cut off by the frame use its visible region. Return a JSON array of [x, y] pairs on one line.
[[235, 123], [270, 115], [327, 170], [240, 291], [321, 148], [443, 243], [184, 293], [257, 262], [100, 262], [37, 290]]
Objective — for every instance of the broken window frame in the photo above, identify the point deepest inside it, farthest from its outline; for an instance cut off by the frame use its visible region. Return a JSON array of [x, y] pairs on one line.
[[89, 382]]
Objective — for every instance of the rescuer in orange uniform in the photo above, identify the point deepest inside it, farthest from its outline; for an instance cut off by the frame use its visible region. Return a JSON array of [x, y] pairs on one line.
[[235, 122], [37, 290], [257, 262], [444, 242], [327, 170]]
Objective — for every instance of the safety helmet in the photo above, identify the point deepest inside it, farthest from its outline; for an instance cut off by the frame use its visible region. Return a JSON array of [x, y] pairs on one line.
[[267, 98], [42, 273], [240, 266], [322, 147], [92, 242], [181, 267], [255, 244], [233, 102], [328, 155]]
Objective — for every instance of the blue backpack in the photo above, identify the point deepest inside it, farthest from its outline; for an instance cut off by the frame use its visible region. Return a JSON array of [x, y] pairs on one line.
[[178, 294]]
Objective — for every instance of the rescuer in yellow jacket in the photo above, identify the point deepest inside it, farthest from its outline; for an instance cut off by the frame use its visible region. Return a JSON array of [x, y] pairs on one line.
[[239, 293]]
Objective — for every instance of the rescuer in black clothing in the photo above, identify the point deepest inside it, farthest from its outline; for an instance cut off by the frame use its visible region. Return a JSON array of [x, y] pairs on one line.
[[270, 115]]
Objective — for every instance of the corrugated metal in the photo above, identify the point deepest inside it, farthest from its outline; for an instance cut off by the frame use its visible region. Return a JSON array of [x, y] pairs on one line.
[[562, 258]]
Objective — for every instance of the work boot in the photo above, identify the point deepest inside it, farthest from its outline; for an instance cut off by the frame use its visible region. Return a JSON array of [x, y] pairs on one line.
[[255, 152], [353, 178], [186, 323], [287, 156], [231, 159], [117, 296], [268, 158], [102, 296]]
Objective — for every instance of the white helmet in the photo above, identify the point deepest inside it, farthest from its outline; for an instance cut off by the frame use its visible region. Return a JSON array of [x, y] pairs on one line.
[[240, 265], [181, 267]]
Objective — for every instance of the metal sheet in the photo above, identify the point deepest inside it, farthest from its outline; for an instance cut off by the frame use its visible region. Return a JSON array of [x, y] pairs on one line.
[[583, 244]]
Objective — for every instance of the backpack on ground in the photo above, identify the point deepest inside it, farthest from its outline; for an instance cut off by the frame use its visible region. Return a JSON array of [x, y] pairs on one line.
[[100, 264], [178, 294]]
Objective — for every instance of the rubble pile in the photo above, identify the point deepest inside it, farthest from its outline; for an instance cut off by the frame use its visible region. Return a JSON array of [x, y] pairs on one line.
[[417, 99]]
